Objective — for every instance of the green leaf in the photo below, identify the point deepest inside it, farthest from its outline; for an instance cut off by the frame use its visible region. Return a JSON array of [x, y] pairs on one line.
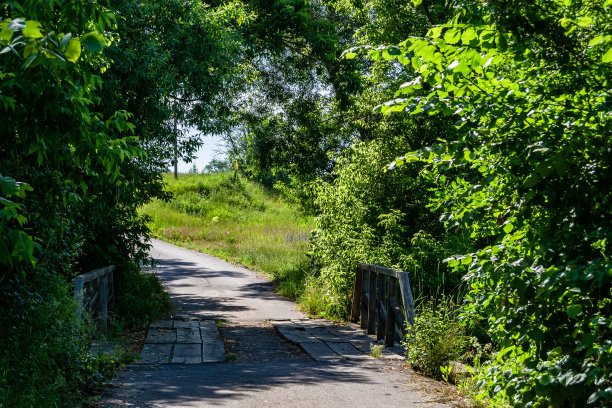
[[531, 181], [6, 34], [574, 310], [596, 40], [467, 260], [452, 36], [607, 57], [32, 29], [93, 41], [417, 3], [65, 40], [468, 35], [29, 50], [546, 379], [501, 42], [73, 51], [508, 228]]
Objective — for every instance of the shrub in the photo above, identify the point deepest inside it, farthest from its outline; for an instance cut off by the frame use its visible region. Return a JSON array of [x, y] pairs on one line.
[[141, 297], [436, 339], [44, 358]]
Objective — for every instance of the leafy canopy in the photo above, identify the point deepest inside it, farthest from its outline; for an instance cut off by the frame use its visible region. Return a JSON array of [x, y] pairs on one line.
[[529, 84]]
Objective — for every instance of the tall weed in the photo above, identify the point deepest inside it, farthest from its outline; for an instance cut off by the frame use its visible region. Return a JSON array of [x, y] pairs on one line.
[[436, 339]]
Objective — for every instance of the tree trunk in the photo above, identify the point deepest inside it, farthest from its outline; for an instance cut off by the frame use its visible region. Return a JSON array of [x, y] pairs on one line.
[[175, 151]]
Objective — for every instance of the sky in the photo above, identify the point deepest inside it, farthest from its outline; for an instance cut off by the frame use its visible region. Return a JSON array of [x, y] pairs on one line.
[[213, 148]]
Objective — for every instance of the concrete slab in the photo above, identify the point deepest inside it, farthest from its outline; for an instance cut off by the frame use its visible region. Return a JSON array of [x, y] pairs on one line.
[[321, 352], [162, 324], [155, 353], [187, 354], [161, 336], [347, 350], [188, 335], [213, 351]]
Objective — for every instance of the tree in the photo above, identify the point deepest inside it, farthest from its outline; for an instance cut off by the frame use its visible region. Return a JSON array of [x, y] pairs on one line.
[[58, 156], [173, 73], [530, 86]]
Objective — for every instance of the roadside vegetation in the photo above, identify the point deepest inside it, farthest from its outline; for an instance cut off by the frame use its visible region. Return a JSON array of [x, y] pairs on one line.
[[238, 220], [465, 142]]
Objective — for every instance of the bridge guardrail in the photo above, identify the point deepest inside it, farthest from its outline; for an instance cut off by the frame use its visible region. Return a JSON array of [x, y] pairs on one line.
[[377, 305]]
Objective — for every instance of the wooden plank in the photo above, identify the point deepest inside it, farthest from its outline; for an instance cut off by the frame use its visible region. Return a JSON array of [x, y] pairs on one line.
[[407, 298], [400, 320], [159, 335], [188, 336], [104, 304], [79, 289], [372, 303], [97, 273], [187, 353], [320, 352], [155, 353], [357, 295], [347, 350], [381, 270], [380, 299], [111, 295], [390, 322]]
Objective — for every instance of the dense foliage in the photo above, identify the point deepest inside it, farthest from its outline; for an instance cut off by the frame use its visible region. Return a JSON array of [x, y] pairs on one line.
[[530, 85], [75, 166], [58, 159], [368, 215]]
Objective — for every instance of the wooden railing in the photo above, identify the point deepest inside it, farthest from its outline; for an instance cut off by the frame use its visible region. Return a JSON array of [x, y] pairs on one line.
[[376, 301], [95, 293]]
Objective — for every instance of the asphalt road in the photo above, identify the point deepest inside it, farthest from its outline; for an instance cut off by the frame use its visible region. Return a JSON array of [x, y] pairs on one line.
[[268, 371]]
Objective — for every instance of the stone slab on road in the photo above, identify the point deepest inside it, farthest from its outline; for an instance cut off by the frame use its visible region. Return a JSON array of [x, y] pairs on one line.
[[183, 342]]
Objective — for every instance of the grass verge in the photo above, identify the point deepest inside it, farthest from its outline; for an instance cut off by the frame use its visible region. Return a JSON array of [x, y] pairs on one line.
[[238, 221]]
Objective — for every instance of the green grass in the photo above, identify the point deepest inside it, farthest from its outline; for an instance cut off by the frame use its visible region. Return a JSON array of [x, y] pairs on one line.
[[239, 221]]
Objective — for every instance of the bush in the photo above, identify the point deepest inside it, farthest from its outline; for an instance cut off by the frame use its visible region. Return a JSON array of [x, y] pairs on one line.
[[44, 358], [141, 297], [436, 339], [368, 215]]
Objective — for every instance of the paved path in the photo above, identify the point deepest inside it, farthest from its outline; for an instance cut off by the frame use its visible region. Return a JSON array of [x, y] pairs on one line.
[[272, 354]]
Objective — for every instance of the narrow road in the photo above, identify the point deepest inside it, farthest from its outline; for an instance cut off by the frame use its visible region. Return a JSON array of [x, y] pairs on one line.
[[263, 369]]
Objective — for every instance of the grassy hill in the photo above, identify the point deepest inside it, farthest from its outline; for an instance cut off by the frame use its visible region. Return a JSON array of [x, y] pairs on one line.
[[239, 221]]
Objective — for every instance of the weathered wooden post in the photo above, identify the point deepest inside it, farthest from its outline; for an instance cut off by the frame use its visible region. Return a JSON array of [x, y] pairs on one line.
[[371, 301], [390, 301], [357, 295], [380, 303], [407, 298]]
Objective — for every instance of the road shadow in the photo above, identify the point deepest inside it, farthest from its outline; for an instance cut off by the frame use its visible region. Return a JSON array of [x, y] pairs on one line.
[[226, 384]]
